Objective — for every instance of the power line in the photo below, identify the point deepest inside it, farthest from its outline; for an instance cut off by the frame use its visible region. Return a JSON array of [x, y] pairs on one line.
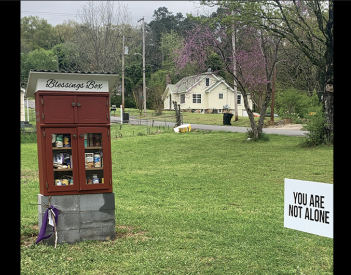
[[49, 13]]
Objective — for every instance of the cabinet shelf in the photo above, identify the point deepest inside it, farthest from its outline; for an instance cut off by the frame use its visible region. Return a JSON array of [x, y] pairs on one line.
[[97, 168], [64, 169], [95, 147], [61, 148]]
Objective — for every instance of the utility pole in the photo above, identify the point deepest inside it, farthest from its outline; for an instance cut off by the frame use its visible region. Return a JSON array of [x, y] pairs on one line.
[[144, 85], [123, 53], [234, 72], [123, 76]]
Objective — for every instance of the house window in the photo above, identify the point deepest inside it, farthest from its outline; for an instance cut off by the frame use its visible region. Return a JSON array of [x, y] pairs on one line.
[[220, 96], [238, 99], [219, 111], [196, 98], [182, 98], [207, 82]]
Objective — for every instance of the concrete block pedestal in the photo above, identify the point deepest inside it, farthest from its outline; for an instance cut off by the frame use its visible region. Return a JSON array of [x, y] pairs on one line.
[[83, 217]]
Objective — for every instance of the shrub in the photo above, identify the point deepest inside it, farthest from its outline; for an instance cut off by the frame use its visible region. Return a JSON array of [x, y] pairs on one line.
[[316, 123], [292, 104], [129, 101], [315, 126]]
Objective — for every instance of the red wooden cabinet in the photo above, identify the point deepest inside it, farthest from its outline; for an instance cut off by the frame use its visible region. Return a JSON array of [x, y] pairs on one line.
[[92, 109], [58, 109], [79, 108], [74, 145], [93, 147]]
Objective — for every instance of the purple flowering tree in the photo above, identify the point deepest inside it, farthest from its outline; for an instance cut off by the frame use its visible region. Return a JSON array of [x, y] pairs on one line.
[[255, 56]]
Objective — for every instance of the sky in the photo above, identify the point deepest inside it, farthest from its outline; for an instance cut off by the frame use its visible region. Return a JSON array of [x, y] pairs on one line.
[[56, 12]]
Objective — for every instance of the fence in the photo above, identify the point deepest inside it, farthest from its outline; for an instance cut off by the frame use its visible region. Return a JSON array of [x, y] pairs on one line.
[[167, 116]]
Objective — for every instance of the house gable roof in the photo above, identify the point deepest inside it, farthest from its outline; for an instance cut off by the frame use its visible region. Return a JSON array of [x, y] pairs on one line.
[[187, 83]]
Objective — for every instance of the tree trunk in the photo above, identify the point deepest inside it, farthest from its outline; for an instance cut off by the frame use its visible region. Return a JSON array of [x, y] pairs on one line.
[[328, 104], [177, 110], [328, 92], [264, 108], [250, 114]]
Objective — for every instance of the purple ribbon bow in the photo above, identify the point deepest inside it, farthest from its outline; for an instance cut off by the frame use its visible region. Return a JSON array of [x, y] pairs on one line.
[[44, 224]]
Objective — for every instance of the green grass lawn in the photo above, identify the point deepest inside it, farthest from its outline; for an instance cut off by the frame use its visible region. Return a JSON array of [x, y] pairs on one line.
[[191, 203]]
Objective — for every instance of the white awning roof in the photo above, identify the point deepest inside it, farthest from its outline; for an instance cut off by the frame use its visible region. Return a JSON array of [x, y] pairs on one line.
[[37, 79]]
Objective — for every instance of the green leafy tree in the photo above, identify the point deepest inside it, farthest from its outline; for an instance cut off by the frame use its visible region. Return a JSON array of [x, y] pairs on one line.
[[157, 42], [309, 26], [157, 85], [65, 31], [292, 104], [316, 121], [36, 33], [169, 42], [36, 60], [297, 71]]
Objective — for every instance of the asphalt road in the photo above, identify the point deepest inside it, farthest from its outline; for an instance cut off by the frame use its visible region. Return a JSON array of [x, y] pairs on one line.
[[286, 132], [228, 128]]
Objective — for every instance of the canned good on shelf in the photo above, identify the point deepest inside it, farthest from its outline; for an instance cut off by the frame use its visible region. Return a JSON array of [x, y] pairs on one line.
[[59, 141], [97, 162], [64, 181], [66, 141]]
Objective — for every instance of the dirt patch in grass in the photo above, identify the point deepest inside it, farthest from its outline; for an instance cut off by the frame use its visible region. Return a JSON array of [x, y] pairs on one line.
[[122, 231], [287, 126], [29, 175], [30, 237], [125, 231]]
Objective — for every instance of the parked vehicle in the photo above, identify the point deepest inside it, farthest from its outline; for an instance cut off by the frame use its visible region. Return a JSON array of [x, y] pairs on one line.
[[269, 115]]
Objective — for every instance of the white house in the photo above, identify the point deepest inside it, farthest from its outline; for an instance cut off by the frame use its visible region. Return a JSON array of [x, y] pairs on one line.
[[202, 94]]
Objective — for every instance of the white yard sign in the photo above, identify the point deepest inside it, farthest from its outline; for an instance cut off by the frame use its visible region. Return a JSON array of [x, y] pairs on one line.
[[308, 207]]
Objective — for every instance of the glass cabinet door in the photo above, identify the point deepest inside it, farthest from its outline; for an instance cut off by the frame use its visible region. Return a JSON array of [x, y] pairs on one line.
[[93, 150], [61, 144]]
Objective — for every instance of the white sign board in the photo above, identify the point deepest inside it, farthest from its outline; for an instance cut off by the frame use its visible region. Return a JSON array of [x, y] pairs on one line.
[[72, 85], [308, 207]]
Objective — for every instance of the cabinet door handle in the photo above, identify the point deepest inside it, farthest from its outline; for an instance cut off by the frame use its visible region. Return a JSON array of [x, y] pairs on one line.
[[73, 104], [81, 135], [78, 104], [74, 136]]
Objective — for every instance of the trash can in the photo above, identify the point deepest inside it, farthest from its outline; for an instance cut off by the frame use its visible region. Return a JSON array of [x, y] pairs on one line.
[[125, 117], [227, 118]]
